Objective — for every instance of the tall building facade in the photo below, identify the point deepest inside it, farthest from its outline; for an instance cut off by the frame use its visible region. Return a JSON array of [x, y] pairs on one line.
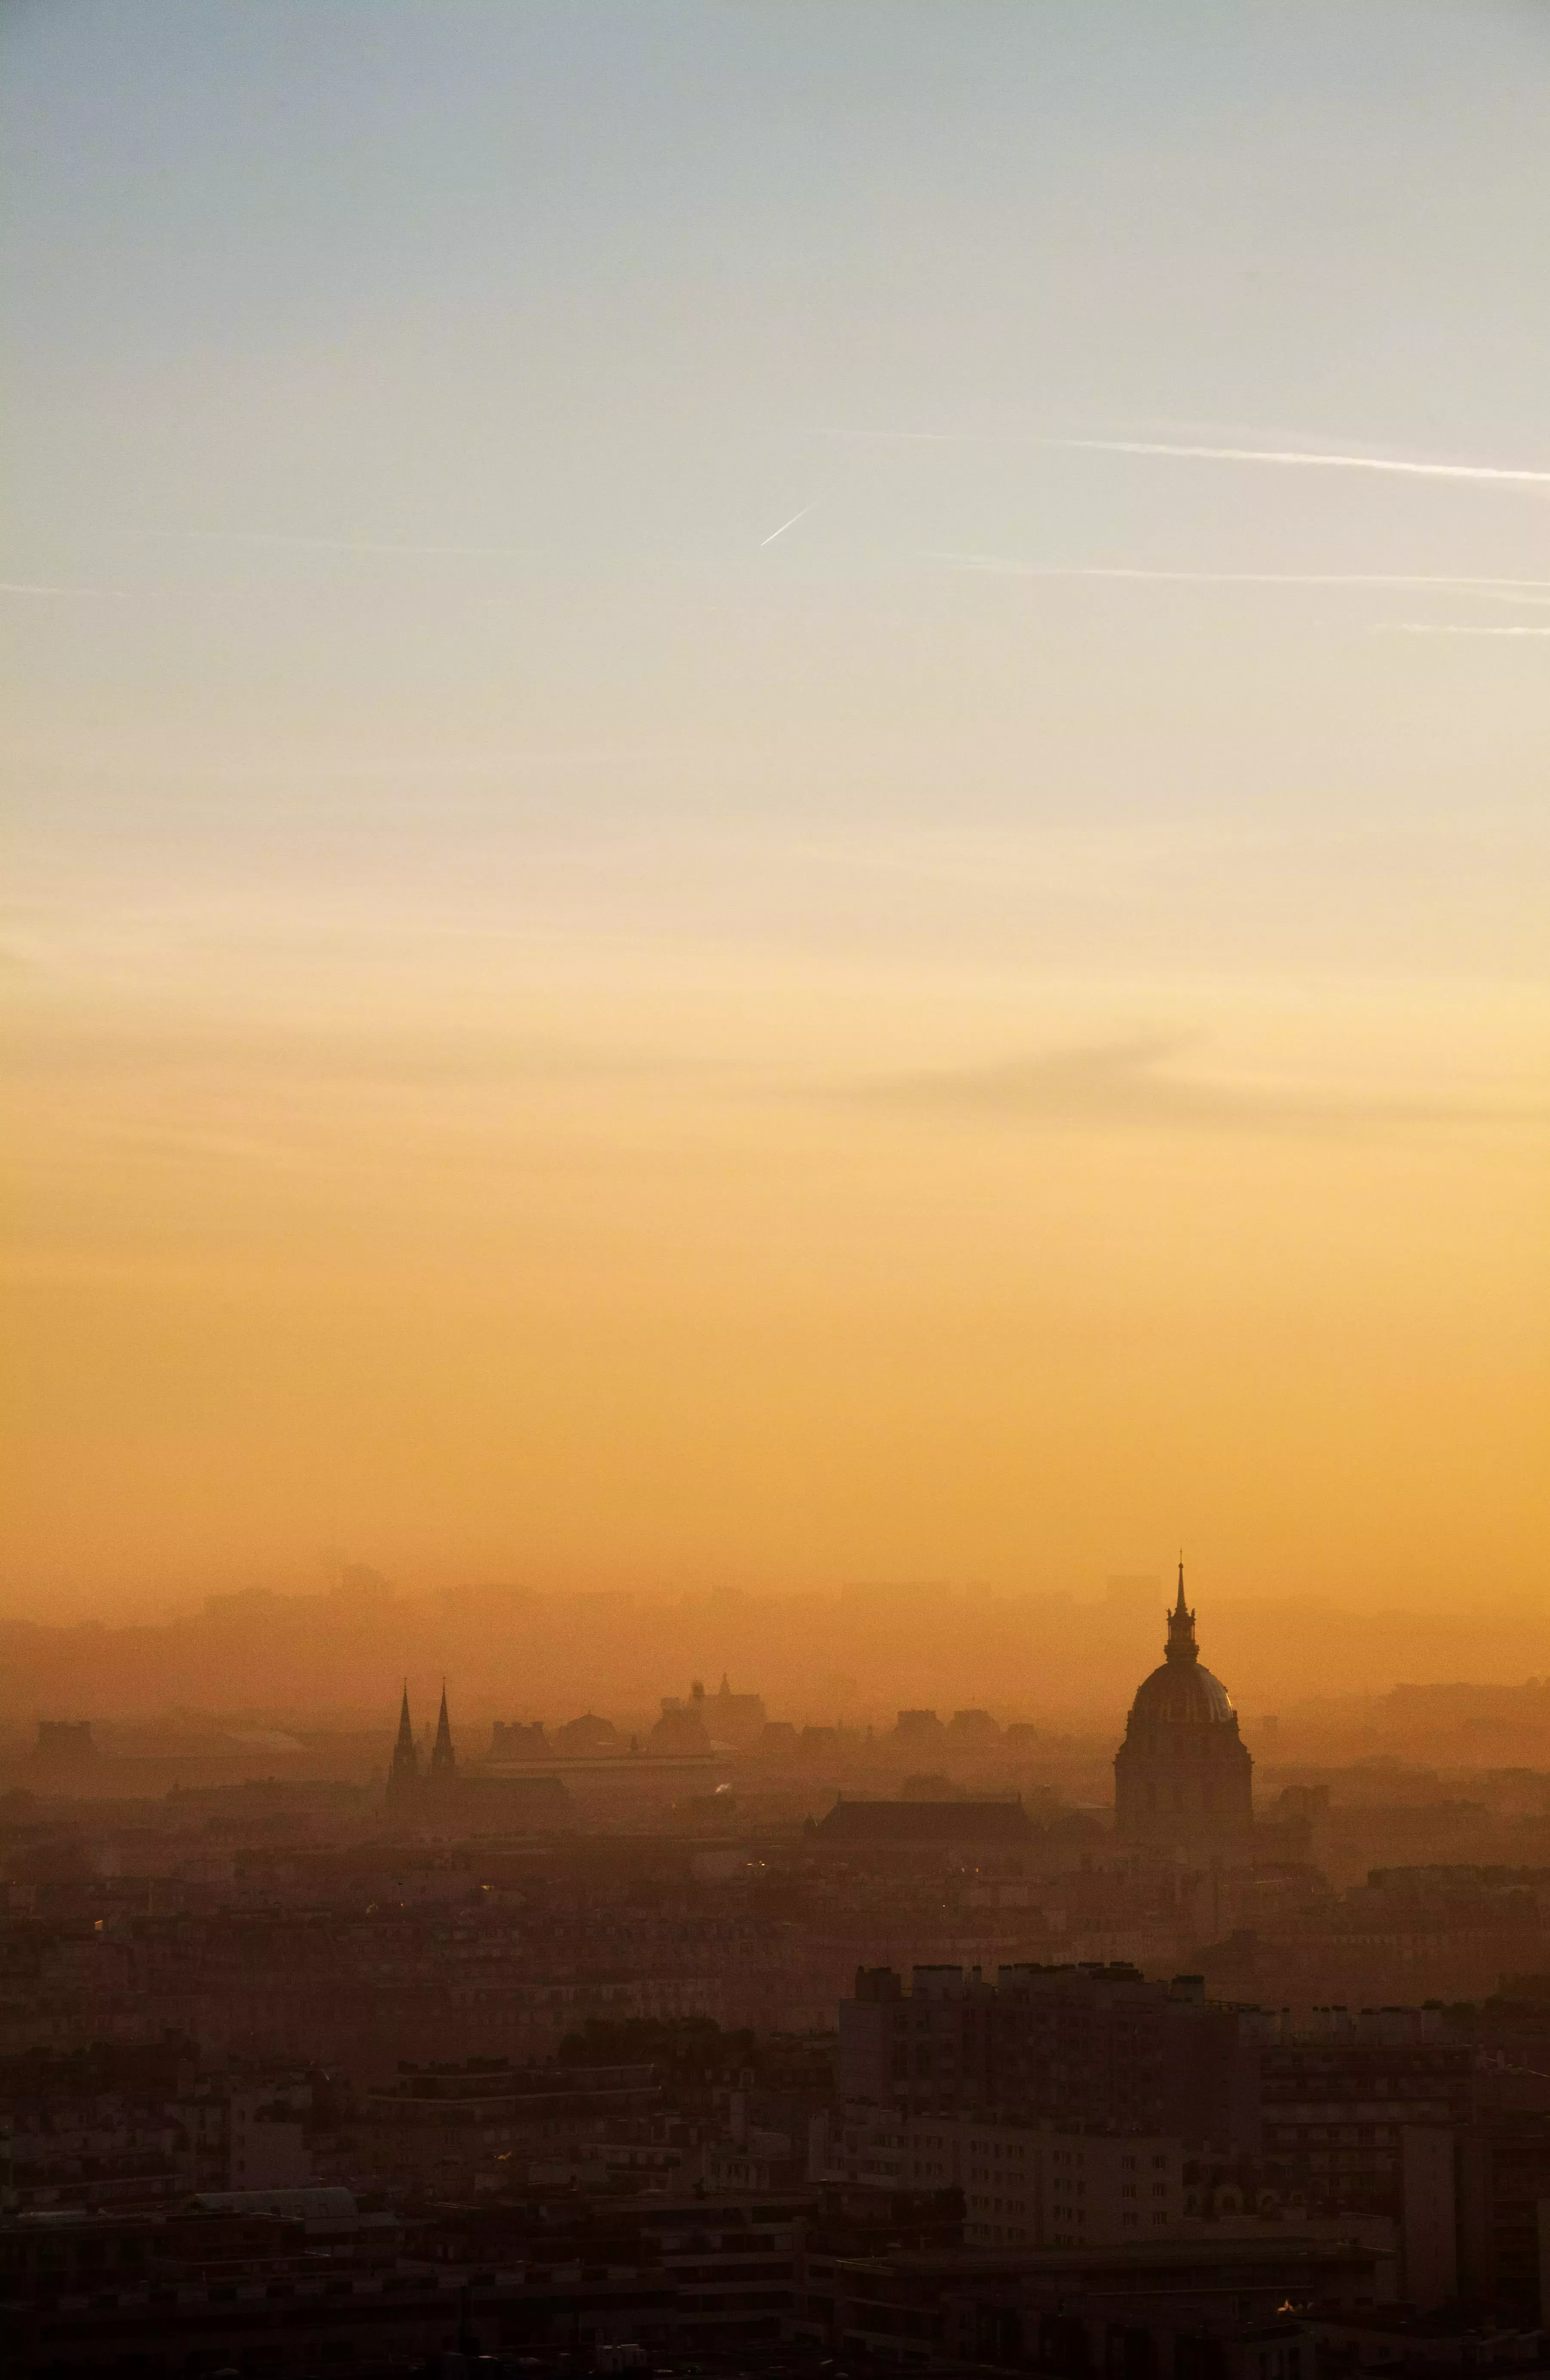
[[1099, 2045], [1183, 1777]]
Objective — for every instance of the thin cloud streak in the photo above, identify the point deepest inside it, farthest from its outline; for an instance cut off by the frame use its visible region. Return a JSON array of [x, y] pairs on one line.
[[1281, 457], [786, 524], [29, 587], [284, 537], [1129, 1084], [1293, 458], [1522, 590], [1446, 629]]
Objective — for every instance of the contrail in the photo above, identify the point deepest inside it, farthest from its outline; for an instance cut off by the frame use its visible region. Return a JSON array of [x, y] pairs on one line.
[[1444, 628], [1295, 459], [29, 587], [1508, 591], [786, 524], [331, 544]]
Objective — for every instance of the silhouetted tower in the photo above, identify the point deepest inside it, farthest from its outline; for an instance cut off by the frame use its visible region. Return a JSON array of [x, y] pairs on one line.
[[444, 1760], [1182, 1646], [1183, 1776], [403, 1778]]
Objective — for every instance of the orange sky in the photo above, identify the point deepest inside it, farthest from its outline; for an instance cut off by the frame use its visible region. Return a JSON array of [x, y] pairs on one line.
[[564, 1029], [780, 1275]]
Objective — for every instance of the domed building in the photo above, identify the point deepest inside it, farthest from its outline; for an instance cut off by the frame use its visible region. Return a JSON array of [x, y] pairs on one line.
[[1183, 1774]]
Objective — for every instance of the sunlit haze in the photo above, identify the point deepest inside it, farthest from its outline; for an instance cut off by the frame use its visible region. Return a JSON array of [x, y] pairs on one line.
[[763, 831]]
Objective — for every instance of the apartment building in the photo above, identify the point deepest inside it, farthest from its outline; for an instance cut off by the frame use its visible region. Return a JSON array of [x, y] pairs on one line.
[[1095, 2045], [1037, 2186]]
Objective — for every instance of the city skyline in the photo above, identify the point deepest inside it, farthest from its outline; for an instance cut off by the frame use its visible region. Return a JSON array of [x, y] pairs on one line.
[[774, 1298]]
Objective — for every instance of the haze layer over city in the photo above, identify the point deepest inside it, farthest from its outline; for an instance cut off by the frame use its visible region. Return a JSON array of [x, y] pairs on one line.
[[772, 1583], [575, 1026]]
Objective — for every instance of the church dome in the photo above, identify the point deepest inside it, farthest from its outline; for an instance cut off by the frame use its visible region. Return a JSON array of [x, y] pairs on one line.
[[1182, 1694], [1183, 1775]]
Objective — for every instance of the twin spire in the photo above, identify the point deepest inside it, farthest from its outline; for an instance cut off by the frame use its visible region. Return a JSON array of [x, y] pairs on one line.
[[406, 1752]]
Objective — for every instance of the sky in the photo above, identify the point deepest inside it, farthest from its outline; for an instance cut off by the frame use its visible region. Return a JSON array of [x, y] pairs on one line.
[[775, 795]]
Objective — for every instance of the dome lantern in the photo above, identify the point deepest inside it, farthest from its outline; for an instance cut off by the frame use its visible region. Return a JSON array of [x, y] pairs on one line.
[[1182, 1646]]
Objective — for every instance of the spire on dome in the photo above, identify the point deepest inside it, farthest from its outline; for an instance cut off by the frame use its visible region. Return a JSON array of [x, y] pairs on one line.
[[444, 1760], [1182, 1646]]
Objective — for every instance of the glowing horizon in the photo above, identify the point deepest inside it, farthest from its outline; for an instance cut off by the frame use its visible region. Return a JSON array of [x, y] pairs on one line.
[[599, 991]]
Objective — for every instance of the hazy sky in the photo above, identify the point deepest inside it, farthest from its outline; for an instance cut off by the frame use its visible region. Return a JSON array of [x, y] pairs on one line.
[[776, 792]]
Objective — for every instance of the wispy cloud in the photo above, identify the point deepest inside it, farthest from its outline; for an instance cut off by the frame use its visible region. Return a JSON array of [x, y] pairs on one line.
[[1297, 459], [293, 541], [1511, 590], [1135, 1082], [1450, 628], [31, 586], [60, 1051]]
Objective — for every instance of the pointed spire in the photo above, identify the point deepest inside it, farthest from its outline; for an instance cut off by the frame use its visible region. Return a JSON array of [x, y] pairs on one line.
[[1182, 1646], [444, 1760], [403, 1781]]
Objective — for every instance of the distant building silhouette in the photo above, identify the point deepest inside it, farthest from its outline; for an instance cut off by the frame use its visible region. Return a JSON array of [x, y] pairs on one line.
[[403, 1778], [921, 1731], [588, 1734], [442, 1796], [519, 1739], [707, 1722], [444, 1760], [973, 1731], [64, 1743], [735, 1719], [682, 1725], [913, 1826], [1183, 1774]]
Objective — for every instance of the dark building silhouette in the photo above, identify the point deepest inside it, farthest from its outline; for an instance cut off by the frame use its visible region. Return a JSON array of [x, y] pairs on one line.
[[444, 1760], [447, 1799], [682, 1725], [517, 1739], [973, 1731], [403, 1778], [952, 1825], [920, 1731], [64, 1744], [1183, 1775], [1101, 2044], [735, 1719], [587, 1736]]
